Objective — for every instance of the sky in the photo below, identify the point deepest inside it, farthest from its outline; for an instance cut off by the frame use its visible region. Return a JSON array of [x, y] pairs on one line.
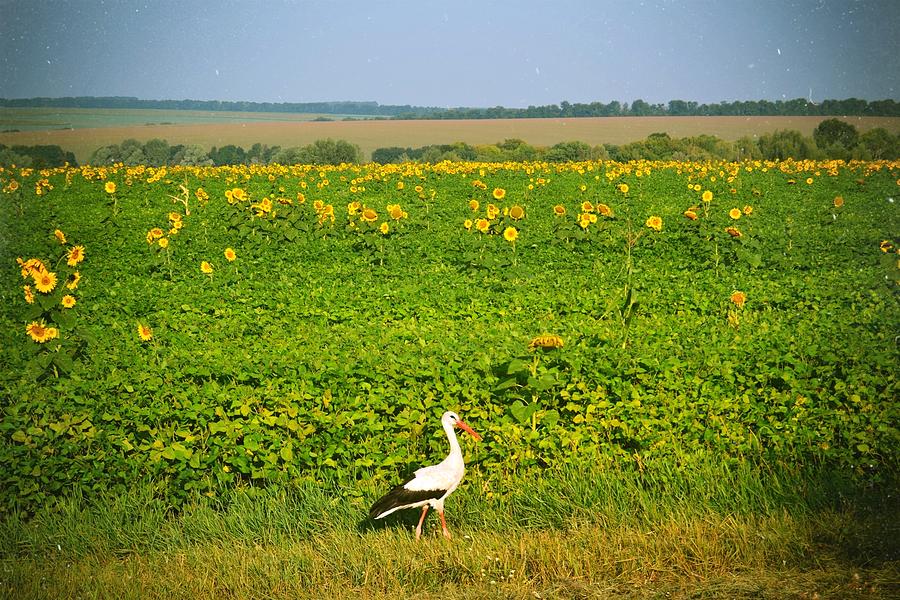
[[475, 53]]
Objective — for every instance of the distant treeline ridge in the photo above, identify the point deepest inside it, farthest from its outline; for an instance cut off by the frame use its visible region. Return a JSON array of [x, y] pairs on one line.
[[832, 138], [638, 108]]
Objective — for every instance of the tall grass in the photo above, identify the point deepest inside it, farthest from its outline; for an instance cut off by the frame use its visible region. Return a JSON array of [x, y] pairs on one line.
[[714, 531]]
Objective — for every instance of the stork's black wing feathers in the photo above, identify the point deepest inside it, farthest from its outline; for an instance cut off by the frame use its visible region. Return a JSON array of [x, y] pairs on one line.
[[400, 497]]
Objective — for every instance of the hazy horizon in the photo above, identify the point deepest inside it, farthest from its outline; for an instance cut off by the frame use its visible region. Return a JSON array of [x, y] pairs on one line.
[[469, 54]]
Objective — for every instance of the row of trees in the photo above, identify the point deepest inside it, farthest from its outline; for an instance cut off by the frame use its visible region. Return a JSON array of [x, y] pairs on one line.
[[676, 108], [39, 157], [832, 138], [157, 152], [638, 108]]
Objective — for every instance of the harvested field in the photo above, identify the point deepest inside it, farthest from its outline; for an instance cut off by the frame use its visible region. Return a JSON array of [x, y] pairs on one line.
[[370, 135]]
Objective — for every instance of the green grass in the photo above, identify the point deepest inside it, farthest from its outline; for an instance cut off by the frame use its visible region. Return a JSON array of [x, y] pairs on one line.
[[745, 532]]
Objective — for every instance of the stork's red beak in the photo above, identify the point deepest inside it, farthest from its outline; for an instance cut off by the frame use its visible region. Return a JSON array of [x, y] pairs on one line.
[[465, 427]]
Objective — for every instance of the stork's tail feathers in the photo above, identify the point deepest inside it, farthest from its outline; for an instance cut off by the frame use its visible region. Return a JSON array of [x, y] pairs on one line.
[[399, 498]]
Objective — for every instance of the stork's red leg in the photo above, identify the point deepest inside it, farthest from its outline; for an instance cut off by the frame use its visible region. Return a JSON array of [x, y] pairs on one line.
[[422, 520], [444, 525]]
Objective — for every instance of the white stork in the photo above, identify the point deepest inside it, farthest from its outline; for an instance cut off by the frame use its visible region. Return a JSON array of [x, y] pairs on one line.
[[429, 486]]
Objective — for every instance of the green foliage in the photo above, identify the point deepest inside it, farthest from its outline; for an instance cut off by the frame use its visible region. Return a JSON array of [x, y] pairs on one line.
[[835, 131], [328, 349]]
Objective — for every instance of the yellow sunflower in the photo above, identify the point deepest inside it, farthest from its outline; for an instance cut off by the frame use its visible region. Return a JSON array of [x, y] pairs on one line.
[[604, 210], [45, 281], [163, 242], [37, 331], [473, 204], [748, 210], [396, 212], [654, 222], [144, 332], [29, 295], [559, 210], [707, 196], [733, 232], [60, 236], [384, 228], [838, 201], [482, 225], [206, 267], [546, 341], [735, 213], [510, 234], [467, 224], [75, 256], [72, 282], [690, 214], [739, 298], [230, 255], [499, 193], [516, 212], [623, 187], [68, 301], [110, 187]]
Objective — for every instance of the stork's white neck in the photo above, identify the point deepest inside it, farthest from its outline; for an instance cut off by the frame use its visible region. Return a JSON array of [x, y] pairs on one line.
[[451, 437]]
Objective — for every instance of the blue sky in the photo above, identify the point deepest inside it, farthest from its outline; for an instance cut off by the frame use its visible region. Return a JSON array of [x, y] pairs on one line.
[[460, 53]]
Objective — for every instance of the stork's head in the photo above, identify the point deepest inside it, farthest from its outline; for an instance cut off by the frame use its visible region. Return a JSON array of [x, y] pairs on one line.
[[452, 419]]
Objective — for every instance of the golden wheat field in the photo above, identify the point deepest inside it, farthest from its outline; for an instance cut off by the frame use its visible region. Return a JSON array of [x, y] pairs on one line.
[[372, 134]]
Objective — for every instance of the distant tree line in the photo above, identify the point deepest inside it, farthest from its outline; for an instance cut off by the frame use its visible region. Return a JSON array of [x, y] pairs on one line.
[[676, 108], [372, 109], [157, 153], [38, 157], [832, 138], [639, 108]]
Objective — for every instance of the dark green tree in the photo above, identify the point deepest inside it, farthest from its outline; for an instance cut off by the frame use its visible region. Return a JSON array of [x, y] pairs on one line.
[[834, 131]]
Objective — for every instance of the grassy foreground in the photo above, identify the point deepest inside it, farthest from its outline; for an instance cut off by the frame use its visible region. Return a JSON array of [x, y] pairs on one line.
[[717, 532]]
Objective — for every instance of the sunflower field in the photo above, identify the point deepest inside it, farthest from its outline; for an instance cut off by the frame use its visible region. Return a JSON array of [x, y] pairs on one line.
[[256, 326]]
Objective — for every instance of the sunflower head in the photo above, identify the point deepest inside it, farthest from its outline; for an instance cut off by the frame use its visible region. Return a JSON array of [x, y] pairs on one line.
[[499, 193], [516, 212], [110, 187], [738, 299], [735, 213], [546, 342], [68, 301], [654, 222], [44, 281], [144, 332], [206, 267], [230, 256], [559, 210], [510, 234]]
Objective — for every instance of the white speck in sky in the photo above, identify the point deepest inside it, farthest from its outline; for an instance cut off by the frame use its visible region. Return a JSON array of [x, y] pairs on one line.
[[217, 72], [779, 51], [751, 65], [537, 71]]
